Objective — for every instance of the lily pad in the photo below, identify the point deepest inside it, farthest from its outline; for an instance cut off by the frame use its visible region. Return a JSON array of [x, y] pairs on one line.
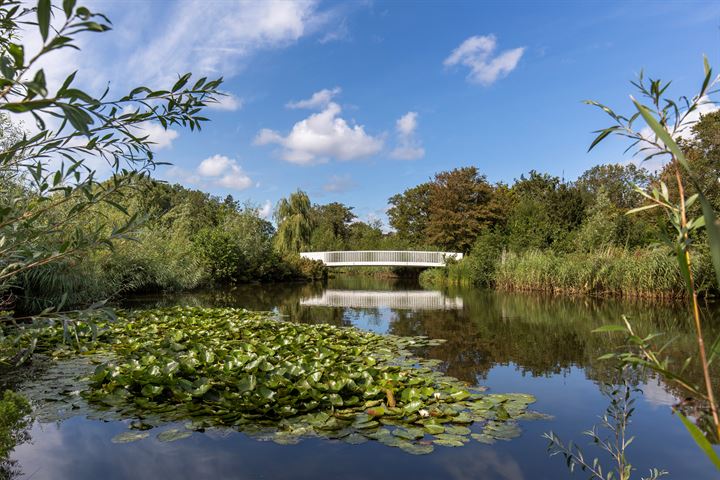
[[225, 368], [173, 435], [128, 437]]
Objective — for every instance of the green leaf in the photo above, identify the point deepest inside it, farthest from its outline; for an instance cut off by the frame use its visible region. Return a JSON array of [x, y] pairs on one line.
[[712, 224], [43, 18], [700, 440], [610, 328], [18, 54], [640, 209], [68, 7], [603, 134], [661, 133]]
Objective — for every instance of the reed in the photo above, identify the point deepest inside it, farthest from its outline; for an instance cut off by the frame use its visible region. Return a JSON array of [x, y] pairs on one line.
[[609, 272]]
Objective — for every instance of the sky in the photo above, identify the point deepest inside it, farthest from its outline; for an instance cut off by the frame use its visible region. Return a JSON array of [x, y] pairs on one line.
[[354, 102]]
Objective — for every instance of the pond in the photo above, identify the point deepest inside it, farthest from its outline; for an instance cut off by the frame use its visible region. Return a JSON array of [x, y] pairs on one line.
[[503, 341]]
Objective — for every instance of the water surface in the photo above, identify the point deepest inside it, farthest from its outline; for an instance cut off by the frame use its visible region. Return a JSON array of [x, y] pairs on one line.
[[506, 342]]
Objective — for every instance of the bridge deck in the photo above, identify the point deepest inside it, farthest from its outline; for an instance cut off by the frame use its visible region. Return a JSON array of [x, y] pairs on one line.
[[393, 258]]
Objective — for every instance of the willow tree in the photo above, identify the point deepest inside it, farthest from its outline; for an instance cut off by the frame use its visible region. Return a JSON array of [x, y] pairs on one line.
[[294, 223]]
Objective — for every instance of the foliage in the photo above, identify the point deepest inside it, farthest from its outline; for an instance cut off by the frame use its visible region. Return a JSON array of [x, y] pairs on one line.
[[599, 228], [237, 368], [14, 420], [668, 119], [616, 421], [609, 272], [460, 206], [239, 249], [295, 223], [332, 227], [409, 214], [49, 185], [545, 211]]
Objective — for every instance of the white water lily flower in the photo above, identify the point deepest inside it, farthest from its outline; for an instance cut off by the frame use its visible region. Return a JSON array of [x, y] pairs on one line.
[[436, 395], [423, 412]]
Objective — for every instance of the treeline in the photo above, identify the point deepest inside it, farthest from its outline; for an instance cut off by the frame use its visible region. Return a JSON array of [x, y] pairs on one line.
[[181, 239], [543, 233]]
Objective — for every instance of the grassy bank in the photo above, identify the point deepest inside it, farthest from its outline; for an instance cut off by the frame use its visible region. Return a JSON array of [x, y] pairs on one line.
[[609, 272]]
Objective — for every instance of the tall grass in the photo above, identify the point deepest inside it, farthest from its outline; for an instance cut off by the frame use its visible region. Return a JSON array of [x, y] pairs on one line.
[[611, 272]]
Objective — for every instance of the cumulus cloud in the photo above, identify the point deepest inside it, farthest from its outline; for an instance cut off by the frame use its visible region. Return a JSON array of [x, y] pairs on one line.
[[478, 54], [318, 100], [408, 147], [228, 102], [322, 136], [224, 172], [339, 184]]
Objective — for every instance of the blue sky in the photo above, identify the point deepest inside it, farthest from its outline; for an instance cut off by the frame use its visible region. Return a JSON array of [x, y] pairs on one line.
[[401, 90]]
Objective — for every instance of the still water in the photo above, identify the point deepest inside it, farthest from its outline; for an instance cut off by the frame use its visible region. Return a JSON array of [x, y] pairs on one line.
[[506, 342]]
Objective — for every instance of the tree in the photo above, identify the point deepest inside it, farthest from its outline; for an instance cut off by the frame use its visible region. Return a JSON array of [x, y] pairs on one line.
[[41, 222], [331, 226], [618, 181], [366, 236], [294, 223], [460, 205], [599, 229], [544, 212], [409, 214]]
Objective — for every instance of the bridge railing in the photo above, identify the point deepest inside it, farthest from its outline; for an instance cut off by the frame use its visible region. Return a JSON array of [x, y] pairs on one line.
[[383, 257]]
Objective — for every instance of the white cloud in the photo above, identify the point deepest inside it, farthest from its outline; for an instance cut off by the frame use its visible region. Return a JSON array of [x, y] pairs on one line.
[[477, 52], [224, 172], [215, 38], [161, 137], [409, 147], [341, 32], [683, 132], [339, 184], [265, 210], [214, 166], [407, 124], [236, 180], [318, 100], [322, 136], [228, 102]]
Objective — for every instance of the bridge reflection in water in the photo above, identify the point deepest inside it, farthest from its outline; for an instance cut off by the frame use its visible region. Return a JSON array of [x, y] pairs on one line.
[[401, 300]]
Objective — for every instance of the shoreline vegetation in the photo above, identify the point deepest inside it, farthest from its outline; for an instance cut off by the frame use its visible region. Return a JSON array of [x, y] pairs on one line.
[[614, 272]]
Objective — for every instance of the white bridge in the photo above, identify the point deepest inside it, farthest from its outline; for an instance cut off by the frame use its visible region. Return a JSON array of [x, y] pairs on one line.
[[399, 300], [398, 258]]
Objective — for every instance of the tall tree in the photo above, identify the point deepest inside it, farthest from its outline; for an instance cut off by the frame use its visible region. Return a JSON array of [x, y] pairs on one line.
[[294, 223], [409, 214], [332, 223], [618, 181], [460, 206]]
